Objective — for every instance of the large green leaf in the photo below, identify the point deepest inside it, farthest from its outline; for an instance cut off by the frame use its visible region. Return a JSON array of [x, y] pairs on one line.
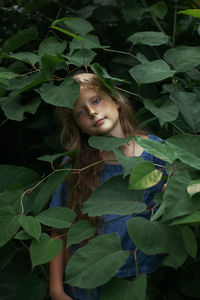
[[132, 11], [78, 25], [53, 157], [19, 39], [150, 72], [105, 77], [44, 250], [128, 163], [31, 287], [160, 150], [151, 38], [155, 237], [183, 58], [27, 82], [144, 175], [90, 41], [107, 143], [189, 106], [120, 288], [30, 225], [27, 57], [58, 217], [81, 57], [11, 197], [15, 111], [190, 219], [176, 201], [8, 223], [49, 64], [186, 147], [113, 197], [190, 242], [159, 9], [51, 46], [47, 188], [102, 257], [166, 113], [64, 95], [79, 232], [16, 175]]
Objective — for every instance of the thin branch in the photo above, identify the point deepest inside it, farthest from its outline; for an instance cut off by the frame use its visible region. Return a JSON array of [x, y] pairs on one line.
[[120, 52], [136, 262], [128, 92], [4, 122]]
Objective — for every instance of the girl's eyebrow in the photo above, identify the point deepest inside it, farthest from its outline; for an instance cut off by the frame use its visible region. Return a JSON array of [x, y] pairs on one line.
[[90, 99]]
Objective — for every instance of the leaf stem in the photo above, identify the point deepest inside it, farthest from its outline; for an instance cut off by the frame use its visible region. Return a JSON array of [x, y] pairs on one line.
[[128, 92], [4, 122], [120, 52], [136, 262]]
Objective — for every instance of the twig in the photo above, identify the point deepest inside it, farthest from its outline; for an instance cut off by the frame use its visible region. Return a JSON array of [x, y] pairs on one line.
[[4, 122], [136, 262]]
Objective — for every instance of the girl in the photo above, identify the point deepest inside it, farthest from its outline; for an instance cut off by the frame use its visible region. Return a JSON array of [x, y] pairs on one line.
[[98, 112]]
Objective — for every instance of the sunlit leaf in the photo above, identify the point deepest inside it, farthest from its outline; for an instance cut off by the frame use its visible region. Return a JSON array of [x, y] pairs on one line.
[[194, 187], [191, 12], [144, 175]]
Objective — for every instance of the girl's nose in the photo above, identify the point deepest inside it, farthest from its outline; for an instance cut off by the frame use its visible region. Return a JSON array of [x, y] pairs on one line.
[[92, 112]]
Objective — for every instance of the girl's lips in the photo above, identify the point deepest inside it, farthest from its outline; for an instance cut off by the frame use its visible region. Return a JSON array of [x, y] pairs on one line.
[[99, 122]]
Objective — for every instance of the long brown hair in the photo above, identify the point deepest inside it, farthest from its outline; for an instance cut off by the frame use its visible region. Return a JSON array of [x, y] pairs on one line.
[[84, 183]]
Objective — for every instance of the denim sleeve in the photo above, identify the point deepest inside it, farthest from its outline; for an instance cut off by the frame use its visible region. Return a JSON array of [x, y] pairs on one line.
[[59, 197]]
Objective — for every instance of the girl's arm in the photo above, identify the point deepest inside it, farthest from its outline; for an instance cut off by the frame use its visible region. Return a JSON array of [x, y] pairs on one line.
[[56, 271]]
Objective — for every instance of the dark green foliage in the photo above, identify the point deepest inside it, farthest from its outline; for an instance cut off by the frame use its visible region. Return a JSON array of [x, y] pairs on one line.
[[149, 50]]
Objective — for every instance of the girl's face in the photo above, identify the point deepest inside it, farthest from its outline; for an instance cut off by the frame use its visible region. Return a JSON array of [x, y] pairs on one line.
[[97, 114]]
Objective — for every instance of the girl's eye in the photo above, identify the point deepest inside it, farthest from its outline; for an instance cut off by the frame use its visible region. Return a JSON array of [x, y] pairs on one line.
[[81, 112], [96, 101]]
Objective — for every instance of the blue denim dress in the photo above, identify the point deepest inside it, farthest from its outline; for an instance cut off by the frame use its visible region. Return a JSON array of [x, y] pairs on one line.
[[110, 223]]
